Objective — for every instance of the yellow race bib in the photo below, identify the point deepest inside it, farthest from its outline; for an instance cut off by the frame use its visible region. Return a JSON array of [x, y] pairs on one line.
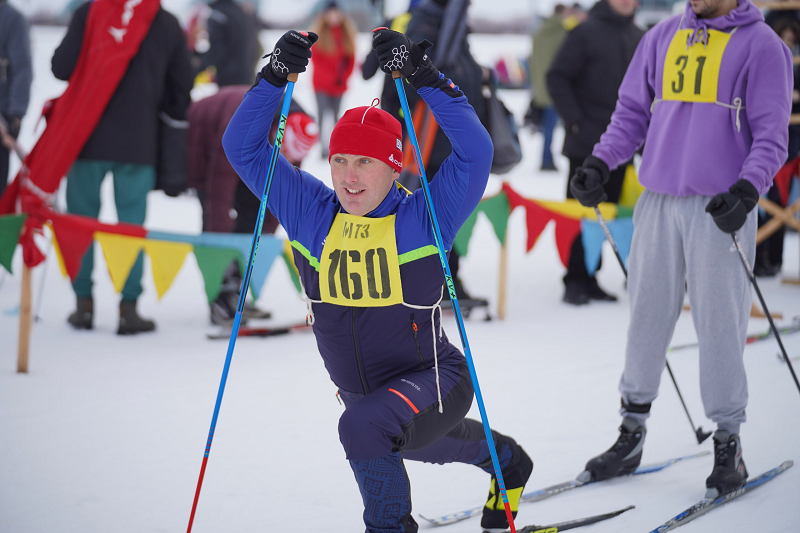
[[692, 75], [359, 265]]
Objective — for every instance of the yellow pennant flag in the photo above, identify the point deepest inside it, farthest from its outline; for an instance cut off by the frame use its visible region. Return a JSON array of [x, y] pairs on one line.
[[61, 265], [166, 258], [573, 209], [121, 252]]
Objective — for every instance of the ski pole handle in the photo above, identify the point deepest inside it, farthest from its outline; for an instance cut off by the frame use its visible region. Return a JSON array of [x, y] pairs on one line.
[[292, 77], [396, 74]]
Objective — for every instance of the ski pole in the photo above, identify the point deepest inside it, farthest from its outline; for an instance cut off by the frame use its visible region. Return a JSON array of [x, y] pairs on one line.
[[401, 92], [287, 99], [752, 277], [698, 431]]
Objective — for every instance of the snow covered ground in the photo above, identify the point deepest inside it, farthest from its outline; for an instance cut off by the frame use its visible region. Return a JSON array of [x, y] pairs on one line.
[[106, 434]]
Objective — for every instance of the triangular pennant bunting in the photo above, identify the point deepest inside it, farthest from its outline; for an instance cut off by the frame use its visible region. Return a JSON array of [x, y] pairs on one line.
[[269, 247], [59, 256], [10, 227], [166, 260], [567, 230], [74, 238], [120, 252], [592, 237], [537, 218], [622, 233], [213, 262]]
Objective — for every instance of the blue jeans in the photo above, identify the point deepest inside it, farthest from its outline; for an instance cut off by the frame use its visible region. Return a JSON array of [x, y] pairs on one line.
[[549, 120]]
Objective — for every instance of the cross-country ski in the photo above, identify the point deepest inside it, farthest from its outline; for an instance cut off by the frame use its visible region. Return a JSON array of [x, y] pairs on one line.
[[553, 490]]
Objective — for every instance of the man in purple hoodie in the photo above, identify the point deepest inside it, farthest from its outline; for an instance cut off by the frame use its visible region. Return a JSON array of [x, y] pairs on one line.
[[708, 93]]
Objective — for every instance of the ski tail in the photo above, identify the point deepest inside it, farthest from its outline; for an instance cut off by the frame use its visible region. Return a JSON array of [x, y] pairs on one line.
[[706, 505], [572, 524]]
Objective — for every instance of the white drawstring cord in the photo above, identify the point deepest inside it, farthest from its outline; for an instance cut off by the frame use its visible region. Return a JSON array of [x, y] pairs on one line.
[[737, 105], [437, 306], [433, 308]]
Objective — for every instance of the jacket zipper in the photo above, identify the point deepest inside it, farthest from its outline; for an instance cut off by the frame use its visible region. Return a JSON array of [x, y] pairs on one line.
[[358, 355], [416, 341]]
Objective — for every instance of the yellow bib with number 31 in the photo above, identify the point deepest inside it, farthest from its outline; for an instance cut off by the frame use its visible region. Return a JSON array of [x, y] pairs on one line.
[[359, 265], [692, 74]]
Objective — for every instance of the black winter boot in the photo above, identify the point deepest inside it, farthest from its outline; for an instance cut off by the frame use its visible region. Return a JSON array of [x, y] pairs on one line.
[[596, 293], [515, 475], [82, 318], [622, 458], [130, 322], [576, 292], [729, 471]]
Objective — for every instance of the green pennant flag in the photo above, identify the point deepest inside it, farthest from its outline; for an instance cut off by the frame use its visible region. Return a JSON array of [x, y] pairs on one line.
[[496, 210], [212, 263], [10, 227]]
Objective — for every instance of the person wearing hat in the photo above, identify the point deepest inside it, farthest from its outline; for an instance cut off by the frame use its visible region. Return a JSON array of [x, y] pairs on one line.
[[372, 278]]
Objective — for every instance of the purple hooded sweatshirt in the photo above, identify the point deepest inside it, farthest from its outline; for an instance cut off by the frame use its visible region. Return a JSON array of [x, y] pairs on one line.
[[720, 113]]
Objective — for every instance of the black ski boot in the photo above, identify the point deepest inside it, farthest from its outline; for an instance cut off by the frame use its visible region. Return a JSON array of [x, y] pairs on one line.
[[515, 475], [729, 471], [130, 322], [83, 316], [622, 458]]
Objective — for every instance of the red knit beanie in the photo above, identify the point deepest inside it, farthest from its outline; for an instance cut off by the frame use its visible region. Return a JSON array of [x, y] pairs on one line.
[[369, 131]]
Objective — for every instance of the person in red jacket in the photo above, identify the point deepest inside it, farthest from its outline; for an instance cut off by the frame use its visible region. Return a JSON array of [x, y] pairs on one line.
[[333, 60]]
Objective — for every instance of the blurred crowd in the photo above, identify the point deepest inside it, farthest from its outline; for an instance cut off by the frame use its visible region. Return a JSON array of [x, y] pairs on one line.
[[151, 134]]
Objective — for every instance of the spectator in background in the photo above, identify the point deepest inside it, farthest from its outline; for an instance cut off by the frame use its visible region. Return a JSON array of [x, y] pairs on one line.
[[583, 81], [769, 254], [233, 44], [427, 20], [546, 43], [15, 79], [333, 60], [228, 205], [125, 143]]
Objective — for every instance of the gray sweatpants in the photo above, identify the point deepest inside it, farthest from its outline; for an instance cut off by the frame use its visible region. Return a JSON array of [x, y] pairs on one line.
[[675, 240]]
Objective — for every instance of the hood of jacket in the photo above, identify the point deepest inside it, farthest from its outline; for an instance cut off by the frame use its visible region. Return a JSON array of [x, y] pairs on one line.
[[744, 14]]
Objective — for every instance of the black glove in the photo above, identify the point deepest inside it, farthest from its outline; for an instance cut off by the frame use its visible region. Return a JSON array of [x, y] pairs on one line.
[[290, 56], [730, 209], [587, 183], [398, 53]]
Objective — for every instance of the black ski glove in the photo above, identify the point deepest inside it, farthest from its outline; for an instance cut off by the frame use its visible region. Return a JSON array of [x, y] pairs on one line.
[[290, 56], [730, 209], [587, 183], [398, 53]]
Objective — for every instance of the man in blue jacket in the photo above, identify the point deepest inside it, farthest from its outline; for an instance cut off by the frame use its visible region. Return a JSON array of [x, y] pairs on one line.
[[373, 281]]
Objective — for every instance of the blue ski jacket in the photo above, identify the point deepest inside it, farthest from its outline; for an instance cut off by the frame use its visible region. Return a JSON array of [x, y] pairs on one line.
[[365, 347]]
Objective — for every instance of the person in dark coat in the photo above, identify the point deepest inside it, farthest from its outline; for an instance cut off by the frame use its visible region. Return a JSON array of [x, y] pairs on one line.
[[233, 44], [125, 142], [426, 22], [228, 205], [583, 81], [15, 78]]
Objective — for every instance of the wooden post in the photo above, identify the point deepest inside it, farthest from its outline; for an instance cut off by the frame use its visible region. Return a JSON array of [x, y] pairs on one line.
[[24, 321], [502, 281]]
